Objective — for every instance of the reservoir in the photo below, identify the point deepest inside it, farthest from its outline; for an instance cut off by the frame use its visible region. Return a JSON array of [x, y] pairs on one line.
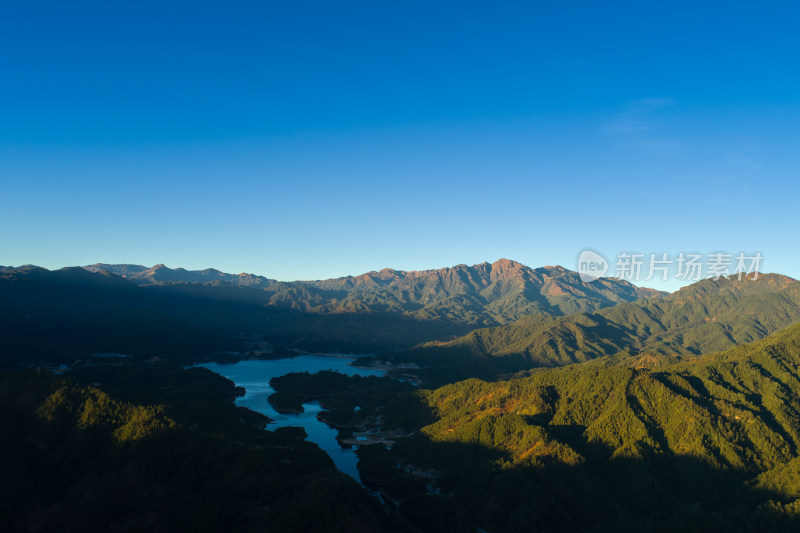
[[254, 377]]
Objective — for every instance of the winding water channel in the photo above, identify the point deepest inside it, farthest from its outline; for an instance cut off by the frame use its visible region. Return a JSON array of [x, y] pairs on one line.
[[254, 377]]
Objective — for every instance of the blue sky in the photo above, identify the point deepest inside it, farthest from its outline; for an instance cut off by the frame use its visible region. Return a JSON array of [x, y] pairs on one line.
[[303, 140]]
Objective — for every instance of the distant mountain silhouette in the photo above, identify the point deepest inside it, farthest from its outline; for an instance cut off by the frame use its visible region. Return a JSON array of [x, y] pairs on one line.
[[142, 275]]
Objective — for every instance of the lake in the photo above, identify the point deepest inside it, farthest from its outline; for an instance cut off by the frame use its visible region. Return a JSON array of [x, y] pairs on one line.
[[254, 377]]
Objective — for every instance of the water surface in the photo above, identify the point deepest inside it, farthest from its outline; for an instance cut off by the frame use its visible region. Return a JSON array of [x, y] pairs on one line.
[[254, 376]]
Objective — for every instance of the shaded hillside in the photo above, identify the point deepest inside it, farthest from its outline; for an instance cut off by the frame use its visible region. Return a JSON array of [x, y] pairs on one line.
[[706, 316], [60, 315], [64, 315], [149, 449]]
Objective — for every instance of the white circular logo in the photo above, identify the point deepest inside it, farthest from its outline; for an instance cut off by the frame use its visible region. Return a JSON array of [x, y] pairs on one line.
[[591, 265]]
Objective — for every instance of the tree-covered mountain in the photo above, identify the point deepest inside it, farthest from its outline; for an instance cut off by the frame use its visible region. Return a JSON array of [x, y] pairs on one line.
[[712, 441], [706, 316], [142, 448], [708, 444]]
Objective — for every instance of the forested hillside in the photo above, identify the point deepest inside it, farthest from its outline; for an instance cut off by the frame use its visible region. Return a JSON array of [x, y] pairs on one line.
[[708, 444], [153, 449], [706, 316]]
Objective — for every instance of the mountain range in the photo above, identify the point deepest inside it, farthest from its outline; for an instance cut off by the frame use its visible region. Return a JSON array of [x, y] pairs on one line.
[[147, 312], [461, 321], [487, 293]]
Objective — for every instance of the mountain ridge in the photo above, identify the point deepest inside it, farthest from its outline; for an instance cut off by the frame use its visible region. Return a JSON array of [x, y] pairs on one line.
[[483, 294], [706, 316], [158, 311]]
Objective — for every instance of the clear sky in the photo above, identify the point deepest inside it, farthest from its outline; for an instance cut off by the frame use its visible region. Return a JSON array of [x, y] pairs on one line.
[[303, 140]]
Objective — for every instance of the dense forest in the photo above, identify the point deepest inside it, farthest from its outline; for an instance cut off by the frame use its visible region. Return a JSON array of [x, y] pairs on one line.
[[611, 444], [134, 448]]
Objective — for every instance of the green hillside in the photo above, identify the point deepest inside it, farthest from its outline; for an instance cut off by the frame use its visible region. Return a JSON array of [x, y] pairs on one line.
[[608, 445], [706, 316]]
